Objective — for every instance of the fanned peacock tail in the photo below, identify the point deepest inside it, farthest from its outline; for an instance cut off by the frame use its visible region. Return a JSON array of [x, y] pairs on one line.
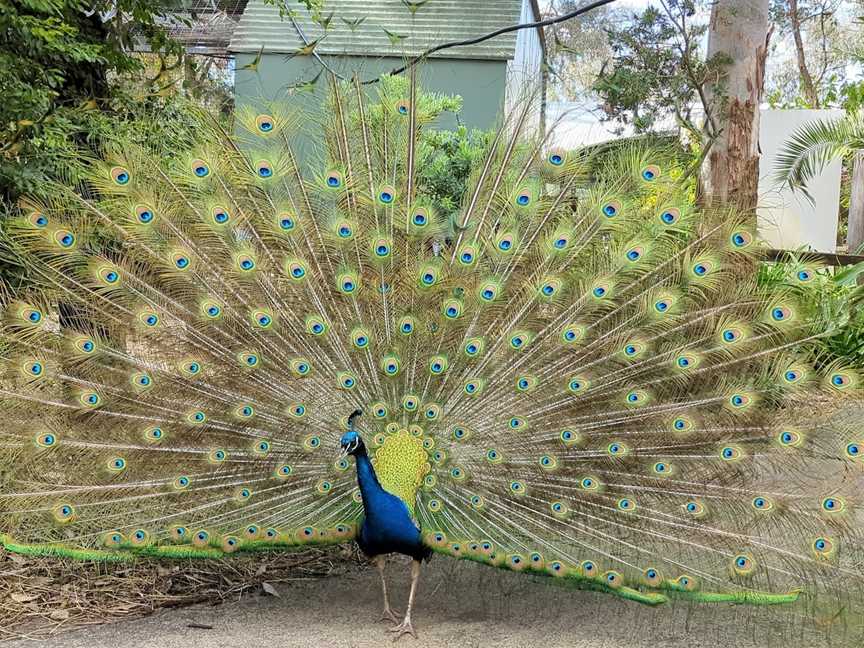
[[578, 376]]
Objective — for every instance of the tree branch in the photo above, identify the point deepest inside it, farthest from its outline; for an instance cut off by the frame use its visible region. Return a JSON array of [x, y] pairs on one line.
[[498, 32]]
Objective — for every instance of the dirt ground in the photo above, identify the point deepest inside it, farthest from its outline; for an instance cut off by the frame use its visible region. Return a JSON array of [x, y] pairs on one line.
[[460, 604]]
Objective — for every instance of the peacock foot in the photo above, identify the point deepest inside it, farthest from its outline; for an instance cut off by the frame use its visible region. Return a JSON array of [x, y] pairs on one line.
[[390, 615], [404, 628]]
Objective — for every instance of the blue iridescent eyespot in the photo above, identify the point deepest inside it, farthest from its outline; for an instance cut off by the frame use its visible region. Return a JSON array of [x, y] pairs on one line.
[[420, 218], [669, 216], [46, 440], [650, 172], [264, 123], [40, 221], [741, 239], [599, 291], [64, 238], [385, 196], [556, 159], [505, 245], [832, 505], [200, 168], [144, 214], [728, 453], [220, 216], [120, 175]]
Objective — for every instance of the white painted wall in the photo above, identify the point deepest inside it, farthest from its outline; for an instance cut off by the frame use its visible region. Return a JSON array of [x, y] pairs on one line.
[[525, 68], [789, 220]]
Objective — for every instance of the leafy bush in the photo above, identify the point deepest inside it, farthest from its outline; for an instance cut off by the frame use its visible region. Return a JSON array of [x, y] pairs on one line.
[[837, 302], [445, 161]]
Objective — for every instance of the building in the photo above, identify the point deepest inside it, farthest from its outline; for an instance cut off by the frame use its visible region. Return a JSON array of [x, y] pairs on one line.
[[372, 37]]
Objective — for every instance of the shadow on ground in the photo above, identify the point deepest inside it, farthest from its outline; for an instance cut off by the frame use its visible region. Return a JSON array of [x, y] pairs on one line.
[[460, 604]]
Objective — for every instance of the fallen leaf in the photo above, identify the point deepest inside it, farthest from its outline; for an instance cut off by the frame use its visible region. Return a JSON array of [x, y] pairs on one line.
[[269, 589], [59, 615], [21, 597]]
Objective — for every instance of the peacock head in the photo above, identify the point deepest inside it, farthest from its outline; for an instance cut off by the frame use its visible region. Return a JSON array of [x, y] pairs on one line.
[[351, 442]]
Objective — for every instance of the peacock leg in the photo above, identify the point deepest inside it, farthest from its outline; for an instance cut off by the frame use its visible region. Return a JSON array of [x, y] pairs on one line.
[[388, 614], [405, 627]]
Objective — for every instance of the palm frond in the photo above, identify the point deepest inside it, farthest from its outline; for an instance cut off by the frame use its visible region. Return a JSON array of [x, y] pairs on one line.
[[814, 145]]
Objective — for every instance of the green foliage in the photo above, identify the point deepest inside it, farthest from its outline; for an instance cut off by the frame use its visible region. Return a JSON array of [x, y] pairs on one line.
[[838, 304], [444, 157], [58, 57], [445, 160], [825, 36], [657, 71]]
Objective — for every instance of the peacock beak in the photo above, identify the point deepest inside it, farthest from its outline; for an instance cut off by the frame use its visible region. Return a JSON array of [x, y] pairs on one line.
[[343, 453]]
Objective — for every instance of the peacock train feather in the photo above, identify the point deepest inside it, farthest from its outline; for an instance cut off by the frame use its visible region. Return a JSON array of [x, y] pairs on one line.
[[578, 375]]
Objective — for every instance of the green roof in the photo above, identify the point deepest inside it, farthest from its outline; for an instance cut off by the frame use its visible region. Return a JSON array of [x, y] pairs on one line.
[[436, 21]]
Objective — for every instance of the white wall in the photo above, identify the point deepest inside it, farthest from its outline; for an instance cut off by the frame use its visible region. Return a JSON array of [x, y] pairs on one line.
[[790, 221], [525, 69]]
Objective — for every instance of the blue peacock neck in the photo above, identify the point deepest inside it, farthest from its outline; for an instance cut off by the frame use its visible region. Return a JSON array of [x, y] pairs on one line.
[[367, 480]]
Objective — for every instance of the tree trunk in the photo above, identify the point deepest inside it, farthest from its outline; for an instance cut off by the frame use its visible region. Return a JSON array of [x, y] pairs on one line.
[[855, 235], [738, 36], [808, 88]]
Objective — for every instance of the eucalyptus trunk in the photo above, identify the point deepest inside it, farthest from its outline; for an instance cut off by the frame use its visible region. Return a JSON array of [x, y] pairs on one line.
[[738, 35]]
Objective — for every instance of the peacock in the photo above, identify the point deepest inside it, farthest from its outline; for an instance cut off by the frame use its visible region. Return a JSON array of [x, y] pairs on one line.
[[576, 373]]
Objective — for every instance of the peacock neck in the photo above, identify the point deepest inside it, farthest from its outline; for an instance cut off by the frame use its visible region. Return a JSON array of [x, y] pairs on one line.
[[367, 480]]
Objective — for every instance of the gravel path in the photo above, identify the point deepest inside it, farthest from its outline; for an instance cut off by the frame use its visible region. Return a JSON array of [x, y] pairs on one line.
[[460, 604]]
